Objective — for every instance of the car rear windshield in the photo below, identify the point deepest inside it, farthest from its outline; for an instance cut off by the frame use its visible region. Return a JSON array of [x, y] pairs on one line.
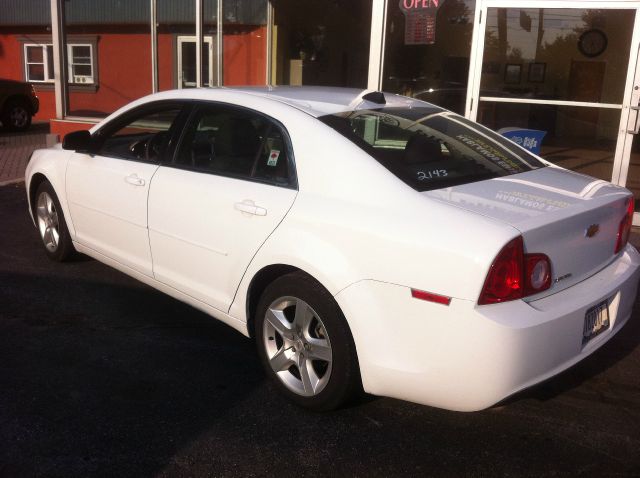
[[429, 148]]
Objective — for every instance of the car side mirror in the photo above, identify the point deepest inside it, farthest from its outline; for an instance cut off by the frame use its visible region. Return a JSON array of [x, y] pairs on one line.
[[80, 141]]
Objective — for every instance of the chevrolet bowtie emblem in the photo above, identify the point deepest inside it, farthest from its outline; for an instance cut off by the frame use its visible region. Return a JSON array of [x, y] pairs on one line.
[[592, 230]]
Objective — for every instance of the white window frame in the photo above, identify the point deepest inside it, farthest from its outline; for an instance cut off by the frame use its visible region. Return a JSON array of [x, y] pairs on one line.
[[80, 79], [48, 69], [622, 152], [377, 43], [208, 42]]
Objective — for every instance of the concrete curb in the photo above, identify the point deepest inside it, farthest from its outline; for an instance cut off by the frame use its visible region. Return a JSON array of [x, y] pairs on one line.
[[12, 181]]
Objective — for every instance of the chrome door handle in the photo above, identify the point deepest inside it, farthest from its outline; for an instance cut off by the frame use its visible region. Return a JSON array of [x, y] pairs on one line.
[[249, 207], [135, 180]]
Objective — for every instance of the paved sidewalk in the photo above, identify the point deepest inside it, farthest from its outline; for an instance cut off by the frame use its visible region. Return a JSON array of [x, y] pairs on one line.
[[16, 148]]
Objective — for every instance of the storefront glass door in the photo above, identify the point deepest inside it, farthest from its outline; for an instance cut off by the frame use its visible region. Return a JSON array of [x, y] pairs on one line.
[[433, 67], [630, 167], [564, 73]]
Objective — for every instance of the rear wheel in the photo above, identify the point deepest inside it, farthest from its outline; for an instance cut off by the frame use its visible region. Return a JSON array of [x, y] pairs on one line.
[[51, 224], [16, 116], [305, 344]]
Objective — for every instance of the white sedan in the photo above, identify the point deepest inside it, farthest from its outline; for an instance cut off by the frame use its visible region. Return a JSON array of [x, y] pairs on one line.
[[363, 239]]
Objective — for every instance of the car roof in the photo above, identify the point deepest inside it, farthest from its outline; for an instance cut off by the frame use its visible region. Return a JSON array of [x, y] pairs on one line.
[[324, 100], [313, 100]]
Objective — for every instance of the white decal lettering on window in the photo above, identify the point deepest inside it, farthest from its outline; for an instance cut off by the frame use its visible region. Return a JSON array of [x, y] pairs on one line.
[[436, 173]]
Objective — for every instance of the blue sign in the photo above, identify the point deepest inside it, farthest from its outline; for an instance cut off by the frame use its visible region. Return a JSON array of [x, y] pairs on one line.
[[530, 139]]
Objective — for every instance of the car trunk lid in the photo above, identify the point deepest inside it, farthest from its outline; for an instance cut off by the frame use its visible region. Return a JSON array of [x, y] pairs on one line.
[[572, 218]]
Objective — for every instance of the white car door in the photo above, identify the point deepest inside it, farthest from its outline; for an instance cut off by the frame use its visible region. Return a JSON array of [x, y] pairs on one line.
[[231, 183], [108, 189]]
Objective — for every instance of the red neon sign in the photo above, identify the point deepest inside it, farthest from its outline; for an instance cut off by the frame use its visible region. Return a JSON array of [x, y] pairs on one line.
[[408, 5], [420, 21]]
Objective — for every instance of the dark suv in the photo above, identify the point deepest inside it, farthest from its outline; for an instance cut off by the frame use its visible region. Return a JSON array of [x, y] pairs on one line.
[[18, 103]]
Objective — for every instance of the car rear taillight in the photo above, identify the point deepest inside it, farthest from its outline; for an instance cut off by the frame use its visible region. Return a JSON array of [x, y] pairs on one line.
[[514, 274], [625, 227], [537, 273]]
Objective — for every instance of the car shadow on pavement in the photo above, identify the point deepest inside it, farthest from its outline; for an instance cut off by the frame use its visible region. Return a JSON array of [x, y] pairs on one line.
[[101, 375], [94, 372]]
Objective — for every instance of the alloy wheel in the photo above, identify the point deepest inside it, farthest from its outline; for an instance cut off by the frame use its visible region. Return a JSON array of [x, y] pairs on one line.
[[297, 346], [19, 117], [48, 224]]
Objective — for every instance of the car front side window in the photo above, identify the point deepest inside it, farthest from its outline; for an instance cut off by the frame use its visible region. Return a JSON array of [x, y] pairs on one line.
[[141, 137], [237, 143]]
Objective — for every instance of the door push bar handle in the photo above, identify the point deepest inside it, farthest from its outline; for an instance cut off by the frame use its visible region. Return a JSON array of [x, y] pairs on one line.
[[636, 128], [249, 207], [135, 180]]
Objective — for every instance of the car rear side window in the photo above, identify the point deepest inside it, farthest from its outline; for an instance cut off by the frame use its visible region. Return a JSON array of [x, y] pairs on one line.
[[237, 143], [429, 148]]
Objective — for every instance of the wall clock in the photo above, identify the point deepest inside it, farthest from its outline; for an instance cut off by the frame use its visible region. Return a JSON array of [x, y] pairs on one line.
[[592, 43]]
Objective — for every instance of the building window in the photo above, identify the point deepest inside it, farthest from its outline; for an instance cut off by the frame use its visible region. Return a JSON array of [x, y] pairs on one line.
[[80, 63], [38, 63], [315, 44], [431, 64], [187, 62]]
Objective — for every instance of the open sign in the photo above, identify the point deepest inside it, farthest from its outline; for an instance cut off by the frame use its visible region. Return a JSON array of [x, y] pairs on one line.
[[409, 5], [420, 21]]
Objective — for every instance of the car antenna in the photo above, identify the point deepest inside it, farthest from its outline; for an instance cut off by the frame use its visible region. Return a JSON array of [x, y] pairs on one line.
[[375, 97]]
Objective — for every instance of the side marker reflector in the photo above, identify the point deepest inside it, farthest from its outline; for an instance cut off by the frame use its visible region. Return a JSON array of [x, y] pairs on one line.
[[429, 297]]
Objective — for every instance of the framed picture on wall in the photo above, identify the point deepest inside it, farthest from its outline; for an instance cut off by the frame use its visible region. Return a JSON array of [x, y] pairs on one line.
[[537, 72], [512, 73]]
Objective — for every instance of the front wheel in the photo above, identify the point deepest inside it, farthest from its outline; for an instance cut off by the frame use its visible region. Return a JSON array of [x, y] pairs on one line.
[[16, 116], [51, 224], [305, 344]]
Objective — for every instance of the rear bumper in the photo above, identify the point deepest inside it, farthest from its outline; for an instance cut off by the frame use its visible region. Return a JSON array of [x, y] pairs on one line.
[[468, 357]]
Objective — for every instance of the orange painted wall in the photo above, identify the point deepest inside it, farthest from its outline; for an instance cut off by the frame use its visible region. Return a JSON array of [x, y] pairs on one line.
[[124, 67], [62, 127], [10, 58], [124, 74], [47, 104], [166, 60], [11, 68], [245, 56]]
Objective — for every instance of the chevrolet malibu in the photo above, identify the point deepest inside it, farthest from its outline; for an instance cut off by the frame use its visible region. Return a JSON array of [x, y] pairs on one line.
[[364, 240]]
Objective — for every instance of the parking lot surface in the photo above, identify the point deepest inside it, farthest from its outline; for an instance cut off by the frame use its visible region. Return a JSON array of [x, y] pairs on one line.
[[103, 376], [16, 148]]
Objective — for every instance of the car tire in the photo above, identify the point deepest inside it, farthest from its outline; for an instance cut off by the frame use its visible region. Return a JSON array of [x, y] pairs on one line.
[[51, 224], [305, 344], [16, 116]]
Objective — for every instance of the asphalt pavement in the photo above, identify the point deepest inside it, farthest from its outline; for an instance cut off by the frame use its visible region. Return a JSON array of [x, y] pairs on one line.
[[16, 148], [103, 376]]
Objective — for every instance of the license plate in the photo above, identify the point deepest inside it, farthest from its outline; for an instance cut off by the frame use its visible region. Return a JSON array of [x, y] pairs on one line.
[[596, 321]]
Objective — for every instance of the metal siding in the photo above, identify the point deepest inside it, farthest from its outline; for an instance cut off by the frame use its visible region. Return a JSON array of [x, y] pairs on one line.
[[25, 12], [123, 12], [245, 12], [176, 11]]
